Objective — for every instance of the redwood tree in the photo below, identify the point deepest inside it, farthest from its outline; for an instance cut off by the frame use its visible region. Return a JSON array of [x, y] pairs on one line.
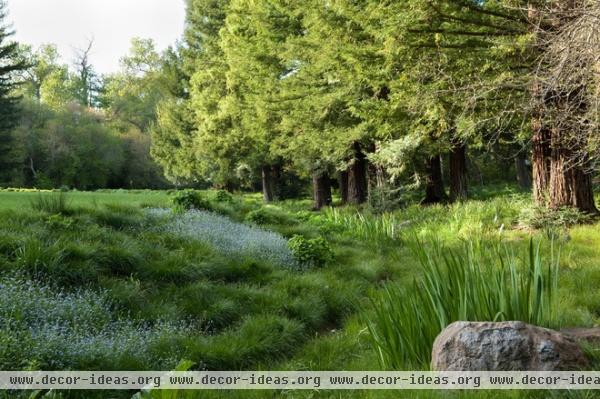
[[541, 55]]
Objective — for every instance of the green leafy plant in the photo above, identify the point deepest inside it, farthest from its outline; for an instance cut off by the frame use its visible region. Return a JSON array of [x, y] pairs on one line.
[[258, 216], [58, 222], [311, 251], [190, 199], [37, 256], [223, 196], [473, 283]]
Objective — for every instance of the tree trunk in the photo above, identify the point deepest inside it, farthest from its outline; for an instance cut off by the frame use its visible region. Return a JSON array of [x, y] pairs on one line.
[[523, 173], [540, 162], [321, 189], [276, 181], [376, 174], [570, 184], [267, 183], [343, 179], [357, 177], [560, 187], [458, 171], [561, 176], [434, 188], [271, 175], [582, 191]]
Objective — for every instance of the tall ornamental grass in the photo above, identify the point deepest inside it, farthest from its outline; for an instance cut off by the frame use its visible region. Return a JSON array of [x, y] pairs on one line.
[[473, 283], [373, 228]]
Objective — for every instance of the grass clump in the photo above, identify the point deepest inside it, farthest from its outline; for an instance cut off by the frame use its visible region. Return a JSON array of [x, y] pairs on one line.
[[472, 283], [382, 228], [258, 339], [52, 203], [313, 252], [36, 256], [59, 222]]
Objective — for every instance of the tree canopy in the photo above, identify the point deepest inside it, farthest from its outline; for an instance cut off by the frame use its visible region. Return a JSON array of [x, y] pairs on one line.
[[365, 96]]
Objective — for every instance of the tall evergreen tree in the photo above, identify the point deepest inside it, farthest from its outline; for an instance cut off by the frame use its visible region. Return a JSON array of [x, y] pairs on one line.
[[10, 65], [521, 74]]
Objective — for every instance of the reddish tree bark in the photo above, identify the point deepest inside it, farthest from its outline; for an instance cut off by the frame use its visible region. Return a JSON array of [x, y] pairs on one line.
[[582, 191], [570, 183], [540, 162]]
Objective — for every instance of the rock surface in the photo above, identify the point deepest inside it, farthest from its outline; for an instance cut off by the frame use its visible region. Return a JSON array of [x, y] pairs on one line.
[[506, 346], [590, 335]]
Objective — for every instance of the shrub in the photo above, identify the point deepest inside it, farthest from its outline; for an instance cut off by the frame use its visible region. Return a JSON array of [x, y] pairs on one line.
[[552, 221], [258, 216], [479, 283], [51, 203], [311, 252], [223, 196], [304, 216], [190, 199]]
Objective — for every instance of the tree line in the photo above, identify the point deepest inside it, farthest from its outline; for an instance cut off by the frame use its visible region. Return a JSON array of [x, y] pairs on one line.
[[365, 97], [65, 125], [364, 94]]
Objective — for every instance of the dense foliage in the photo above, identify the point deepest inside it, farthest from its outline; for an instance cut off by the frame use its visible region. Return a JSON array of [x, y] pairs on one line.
[[76, 129], [371, 99], [389, 105], [380, 96]]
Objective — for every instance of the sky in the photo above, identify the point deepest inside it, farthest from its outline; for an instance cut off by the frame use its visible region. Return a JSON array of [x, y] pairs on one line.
[[111, 23]]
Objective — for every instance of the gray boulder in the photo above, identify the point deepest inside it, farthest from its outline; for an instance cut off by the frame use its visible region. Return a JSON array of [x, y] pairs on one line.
[[589, 335], [506, 346]]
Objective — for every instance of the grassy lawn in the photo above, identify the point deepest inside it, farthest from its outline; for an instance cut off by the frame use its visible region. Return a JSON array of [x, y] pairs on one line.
[[143, 198], [103, 281]]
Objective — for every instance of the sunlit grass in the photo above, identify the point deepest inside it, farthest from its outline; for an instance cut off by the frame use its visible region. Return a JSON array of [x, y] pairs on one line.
[[475, 282], [250, 313]]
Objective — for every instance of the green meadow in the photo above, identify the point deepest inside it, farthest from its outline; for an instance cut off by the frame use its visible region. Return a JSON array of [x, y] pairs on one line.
[[119, 280]]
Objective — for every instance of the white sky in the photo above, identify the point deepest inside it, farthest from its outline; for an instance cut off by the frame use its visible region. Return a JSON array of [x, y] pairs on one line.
[[112, 24]]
